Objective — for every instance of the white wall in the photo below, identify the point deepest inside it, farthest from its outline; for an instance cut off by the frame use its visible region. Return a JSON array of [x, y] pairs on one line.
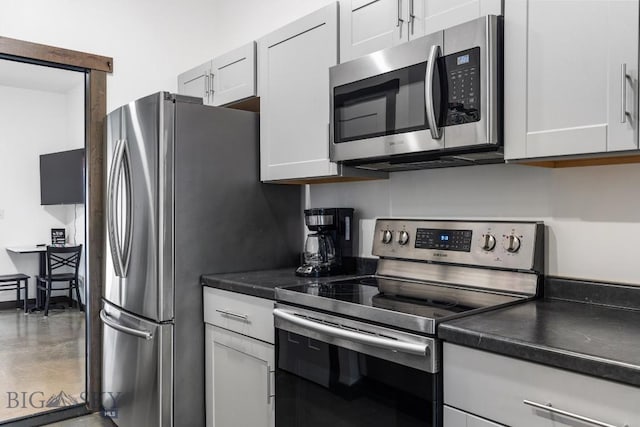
[[238, 22], [75, 129], [32, 123], [592, 213], [150, 41]]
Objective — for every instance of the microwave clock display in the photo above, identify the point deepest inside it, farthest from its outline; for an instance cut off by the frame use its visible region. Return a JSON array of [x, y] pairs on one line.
[[464, 59], [446, 240]]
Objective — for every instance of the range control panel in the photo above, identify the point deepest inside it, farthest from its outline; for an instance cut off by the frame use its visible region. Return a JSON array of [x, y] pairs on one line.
[[447, 240], [507, 245]]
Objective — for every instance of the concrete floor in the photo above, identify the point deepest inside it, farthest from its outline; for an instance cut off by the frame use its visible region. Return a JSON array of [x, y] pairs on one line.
[[93, 420], [42, 361]]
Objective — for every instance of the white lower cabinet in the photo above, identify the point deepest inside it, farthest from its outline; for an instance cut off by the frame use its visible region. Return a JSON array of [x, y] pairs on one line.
[[495, 388], [240, 380], [455, 418], [239, 368]]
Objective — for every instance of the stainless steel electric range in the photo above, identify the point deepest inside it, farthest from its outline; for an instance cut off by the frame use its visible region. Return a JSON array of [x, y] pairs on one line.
[[365, 352]]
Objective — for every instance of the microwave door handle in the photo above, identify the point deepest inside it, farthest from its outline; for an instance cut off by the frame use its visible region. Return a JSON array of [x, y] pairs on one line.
[[434, 54]]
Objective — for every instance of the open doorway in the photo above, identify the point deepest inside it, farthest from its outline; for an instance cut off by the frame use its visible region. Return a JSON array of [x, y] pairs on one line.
[[95, 69], [42, 115]]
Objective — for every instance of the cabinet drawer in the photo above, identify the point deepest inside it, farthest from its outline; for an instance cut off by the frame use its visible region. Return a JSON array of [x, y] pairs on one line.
[[240, 313], [495, 387], [456, 418]]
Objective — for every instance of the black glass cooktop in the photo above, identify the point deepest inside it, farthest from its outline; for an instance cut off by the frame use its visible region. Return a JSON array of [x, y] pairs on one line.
[[370, 296]]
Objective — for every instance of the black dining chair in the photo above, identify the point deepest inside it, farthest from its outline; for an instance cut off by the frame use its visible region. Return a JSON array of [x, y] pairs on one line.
[[63, 264]]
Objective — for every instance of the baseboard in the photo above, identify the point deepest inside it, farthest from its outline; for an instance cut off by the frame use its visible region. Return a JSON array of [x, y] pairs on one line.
[[7, 305]]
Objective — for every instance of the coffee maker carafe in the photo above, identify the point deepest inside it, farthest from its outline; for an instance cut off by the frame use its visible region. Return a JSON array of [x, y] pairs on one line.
[[328, 249]]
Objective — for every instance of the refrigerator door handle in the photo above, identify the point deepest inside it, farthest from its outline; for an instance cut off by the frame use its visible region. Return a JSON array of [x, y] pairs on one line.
[[112, 323], [119, 209], [112, 196], [128, 208]]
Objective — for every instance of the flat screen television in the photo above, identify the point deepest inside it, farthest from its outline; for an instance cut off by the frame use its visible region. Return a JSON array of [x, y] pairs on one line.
[[62, 178]]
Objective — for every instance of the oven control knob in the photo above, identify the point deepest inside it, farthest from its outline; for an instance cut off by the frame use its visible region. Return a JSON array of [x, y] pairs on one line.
[[488, 242], [512, 243], [403, 237], [387, 236]]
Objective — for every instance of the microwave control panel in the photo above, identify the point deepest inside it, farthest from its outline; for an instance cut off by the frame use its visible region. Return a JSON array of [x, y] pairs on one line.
[[463, 86]]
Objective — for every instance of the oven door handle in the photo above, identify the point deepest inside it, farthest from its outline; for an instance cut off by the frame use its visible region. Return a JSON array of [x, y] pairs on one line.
[[362, 338]]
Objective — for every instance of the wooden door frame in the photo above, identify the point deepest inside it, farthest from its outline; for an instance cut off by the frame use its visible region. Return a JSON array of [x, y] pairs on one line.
[[95, 68]]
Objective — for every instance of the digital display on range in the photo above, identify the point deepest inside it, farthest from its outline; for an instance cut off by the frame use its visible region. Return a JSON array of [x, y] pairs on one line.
[[446, 240]]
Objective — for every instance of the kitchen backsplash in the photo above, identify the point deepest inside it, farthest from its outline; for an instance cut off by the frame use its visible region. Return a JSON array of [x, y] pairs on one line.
[[592, 213]]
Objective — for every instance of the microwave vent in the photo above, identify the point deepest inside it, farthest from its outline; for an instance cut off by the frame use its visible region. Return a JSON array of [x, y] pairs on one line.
[[427, 164]]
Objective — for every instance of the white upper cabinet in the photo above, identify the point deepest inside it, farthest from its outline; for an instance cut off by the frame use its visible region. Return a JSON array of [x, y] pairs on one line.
[[428, 16], [571, 71], [196, 82], [293, 77], [223, 80], [234, 75], [367, 26]]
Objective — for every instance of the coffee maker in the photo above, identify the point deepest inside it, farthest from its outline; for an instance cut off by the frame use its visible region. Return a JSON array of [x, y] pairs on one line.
[[328, 249]]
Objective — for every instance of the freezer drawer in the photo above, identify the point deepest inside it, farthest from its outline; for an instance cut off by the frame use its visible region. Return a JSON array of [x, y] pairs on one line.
[[136, 369]]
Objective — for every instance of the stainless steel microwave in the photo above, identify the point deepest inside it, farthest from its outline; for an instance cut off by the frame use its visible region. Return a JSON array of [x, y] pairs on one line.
[[433, 102]]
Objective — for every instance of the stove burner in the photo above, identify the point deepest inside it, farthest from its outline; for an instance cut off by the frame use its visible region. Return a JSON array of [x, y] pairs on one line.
[[384, 286], [339, 291]]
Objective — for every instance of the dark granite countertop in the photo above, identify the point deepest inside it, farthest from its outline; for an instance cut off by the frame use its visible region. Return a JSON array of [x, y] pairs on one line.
[[580, 326], [262, 283]]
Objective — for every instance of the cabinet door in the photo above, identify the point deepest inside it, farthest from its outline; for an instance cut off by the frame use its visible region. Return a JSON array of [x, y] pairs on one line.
[[196, 82], [496, 387], [239, 380], [367, 26], [234, 75], [456, 418], [429, 16], [293, 76], [563, 82]]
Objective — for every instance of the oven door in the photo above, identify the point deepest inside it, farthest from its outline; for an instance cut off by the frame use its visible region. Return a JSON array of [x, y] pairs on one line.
[[341, 373]]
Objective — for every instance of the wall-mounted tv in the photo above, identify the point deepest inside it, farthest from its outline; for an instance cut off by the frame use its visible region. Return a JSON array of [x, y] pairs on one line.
[[62, 178]]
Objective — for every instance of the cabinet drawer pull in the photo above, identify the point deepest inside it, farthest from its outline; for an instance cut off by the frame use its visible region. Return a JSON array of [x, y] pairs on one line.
[[553, 410], [232, 314]]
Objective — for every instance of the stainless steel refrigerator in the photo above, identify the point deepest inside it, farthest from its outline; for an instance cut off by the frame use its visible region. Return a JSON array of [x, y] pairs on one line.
[[183, 199]]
